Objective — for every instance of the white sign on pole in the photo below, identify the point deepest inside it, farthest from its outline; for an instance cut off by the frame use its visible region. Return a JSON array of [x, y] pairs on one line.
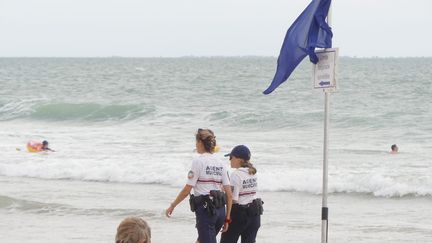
[[326, 69]]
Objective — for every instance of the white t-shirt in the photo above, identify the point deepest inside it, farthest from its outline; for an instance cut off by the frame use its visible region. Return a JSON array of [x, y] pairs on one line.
[[245, 186], [208, 173]]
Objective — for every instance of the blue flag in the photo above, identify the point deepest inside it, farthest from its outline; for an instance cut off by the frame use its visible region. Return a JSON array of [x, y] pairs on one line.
[[309, 31]]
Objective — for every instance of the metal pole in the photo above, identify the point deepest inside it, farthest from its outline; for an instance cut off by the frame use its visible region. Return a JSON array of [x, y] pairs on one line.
[[324, 212], [324, 209]]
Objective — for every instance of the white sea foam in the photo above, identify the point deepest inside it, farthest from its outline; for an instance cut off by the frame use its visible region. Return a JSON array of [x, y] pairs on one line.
[[303, 180]]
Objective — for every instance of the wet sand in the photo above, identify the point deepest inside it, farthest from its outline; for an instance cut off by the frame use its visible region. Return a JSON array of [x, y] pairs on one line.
[[64, 211]]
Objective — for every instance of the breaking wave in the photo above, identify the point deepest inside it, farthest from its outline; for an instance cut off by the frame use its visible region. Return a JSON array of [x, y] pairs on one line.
[[72, 112], [304, 181]]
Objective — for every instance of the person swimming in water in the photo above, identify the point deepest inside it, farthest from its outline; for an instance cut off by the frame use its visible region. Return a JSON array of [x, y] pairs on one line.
[[38, 147], [394, 149]]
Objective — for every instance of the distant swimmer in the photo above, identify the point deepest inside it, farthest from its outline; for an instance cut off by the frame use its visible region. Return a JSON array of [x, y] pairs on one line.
[[394, 149], [34, 147]]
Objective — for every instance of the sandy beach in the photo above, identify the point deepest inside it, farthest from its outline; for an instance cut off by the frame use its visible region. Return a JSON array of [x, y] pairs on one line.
[[74, 211]]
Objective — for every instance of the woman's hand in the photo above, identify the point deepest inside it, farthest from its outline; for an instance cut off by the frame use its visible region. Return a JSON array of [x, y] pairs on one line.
[[225, 227], [181, 196], [169, 211]]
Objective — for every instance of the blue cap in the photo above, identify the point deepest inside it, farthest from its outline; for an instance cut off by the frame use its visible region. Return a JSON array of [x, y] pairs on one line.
[[240, 151]]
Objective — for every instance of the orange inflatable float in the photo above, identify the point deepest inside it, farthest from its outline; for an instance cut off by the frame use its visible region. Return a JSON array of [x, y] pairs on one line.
[[34, 147]]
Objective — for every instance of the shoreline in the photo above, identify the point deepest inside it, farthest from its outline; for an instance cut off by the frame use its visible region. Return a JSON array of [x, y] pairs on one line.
[[83, 211]]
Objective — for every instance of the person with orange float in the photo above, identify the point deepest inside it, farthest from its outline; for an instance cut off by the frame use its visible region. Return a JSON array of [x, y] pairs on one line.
[[247, 208], [209, 179], [34, 147]]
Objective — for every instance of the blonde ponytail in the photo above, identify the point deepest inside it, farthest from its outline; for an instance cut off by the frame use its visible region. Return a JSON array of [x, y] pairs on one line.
[[207, 137], [249, 165]]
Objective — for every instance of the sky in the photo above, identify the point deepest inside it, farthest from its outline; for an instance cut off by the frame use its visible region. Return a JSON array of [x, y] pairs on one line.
[[173, 28]]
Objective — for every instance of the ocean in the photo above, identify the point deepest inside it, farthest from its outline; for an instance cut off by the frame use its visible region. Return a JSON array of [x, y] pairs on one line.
[[123, 130]]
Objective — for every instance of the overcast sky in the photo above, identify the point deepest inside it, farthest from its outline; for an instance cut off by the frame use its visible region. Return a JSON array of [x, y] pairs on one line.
[[171, 28]]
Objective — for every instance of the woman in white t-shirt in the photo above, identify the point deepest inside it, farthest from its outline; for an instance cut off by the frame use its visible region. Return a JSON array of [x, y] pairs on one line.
[[209, 179], [247, 208]]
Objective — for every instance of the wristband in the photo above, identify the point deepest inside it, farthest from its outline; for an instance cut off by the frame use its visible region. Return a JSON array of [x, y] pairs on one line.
[[228, 221]]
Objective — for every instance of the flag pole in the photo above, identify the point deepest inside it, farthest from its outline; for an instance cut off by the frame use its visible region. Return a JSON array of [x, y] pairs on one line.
[[324, 209], [324, 212]]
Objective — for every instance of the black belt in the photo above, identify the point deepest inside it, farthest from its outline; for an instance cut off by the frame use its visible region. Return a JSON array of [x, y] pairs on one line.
[[251, 209], [215, 200]]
